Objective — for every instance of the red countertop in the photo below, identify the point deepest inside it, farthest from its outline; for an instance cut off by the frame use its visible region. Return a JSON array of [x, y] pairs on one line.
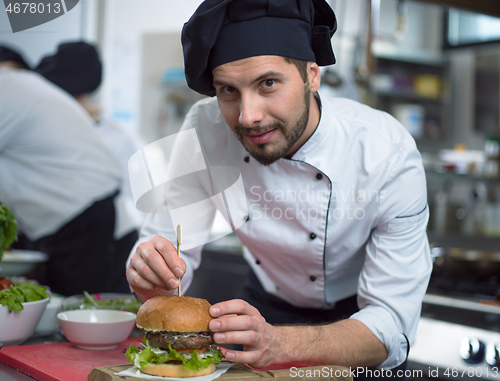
[[62, 361]]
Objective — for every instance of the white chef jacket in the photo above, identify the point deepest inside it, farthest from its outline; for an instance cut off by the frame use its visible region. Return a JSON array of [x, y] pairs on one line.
[[53, 165], [346, 214], [122, 143]]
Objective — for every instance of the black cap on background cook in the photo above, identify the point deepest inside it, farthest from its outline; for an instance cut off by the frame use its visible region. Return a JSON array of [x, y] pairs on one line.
[[75, 67], [7, 54], [222, 31]]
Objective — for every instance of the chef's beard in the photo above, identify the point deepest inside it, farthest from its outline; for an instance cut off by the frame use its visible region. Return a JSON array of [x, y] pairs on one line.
[[267, 155]]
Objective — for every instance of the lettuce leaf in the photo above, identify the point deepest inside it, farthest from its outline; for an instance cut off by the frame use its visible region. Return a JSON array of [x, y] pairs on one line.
[[8, 229], [190, 360], [22, 292]]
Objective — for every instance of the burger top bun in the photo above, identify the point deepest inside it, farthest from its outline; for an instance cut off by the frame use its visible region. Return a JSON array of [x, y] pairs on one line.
[[175, 314]]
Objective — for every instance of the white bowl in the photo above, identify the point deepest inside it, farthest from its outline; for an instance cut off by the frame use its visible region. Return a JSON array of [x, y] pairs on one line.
[[96, 329], [16, 327], [20, 262], [48, 323]]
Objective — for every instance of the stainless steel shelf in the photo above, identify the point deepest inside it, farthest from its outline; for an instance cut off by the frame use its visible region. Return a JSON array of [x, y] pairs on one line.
[[464, 242], [445, 301]]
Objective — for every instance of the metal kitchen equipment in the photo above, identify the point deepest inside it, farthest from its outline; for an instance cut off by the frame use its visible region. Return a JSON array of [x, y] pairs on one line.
[[459, 333]]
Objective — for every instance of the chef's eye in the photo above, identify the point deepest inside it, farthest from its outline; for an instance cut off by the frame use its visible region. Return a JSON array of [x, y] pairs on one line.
[[230, 90], [268, 83]]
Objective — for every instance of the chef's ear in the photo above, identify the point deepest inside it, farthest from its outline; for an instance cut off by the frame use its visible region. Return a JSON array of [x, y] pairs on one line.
[[314, 76]]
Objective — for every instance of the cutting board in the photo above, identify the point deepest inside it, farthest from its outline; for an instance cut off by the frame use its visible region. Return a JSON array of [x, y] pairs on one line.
[[241, 372], [65, 362], [62, 361]]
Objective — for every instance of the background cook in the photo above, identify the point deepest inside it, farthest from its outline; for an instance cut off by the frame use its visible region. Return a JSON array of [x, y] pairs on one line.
[[61, 183]]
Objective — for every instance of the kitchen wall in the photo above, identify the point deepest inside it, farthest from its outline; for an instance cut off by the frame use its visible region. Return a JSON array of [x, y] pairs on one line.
[[466, 125], [34, 43], [117, 26], [139, 45], [124, 30], [130, 64]]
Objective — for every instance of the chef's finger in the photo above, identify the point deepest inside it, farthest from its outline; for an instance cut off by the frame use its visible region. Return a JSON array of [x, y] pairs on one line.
[[249, 338], [150, 264], [234, 323], [141, 275], [169, 254], [234, 306], [246, 357], [135, 280]]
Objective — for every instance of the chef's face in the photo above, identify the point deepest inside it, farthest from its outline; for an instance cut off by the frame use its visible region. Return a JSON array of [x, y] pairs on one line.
[[267, 105]]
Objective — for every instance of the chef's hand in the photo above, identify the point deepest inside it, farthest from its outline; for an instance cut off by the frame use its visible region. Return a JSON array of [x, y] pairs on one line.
[[345, 342], [155, 268], [237, 322]]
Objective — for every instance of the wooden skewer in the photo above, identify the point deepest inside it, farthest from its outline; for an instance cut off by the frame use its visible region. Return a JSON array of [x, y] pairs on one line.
[[179, 241]]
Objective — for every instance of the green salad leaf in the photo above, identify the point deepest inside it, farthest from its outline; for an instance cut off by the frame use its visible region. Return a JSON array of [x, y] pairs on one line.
[[104, 301], [190, 360], [22, 292], [8, 229]]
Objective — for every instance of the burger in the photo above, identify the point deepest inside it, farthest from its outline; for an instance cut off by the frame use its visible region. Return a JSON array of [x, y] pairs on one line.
[[177, 341]]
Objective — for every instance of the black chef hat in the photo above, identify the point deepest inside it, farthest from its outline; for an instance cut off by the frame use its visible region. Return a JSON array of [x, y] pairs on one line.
[[222, 31], [7, 54], [75, 67]]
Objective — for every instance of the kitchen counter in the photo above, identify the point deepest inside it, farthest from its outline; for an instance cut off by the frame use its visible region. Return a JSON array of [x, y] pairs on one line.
[[222, 264], [57, 360], [7, 373], [65, 362]]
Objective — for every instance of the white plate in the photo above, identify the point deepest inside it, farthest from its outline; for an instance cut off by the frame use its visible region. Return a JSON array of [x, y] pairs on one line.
[[19, 262]]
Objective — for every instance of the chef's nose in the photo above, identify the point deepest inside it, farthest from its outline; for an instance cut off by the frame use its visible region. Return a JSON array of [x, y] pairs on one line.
[[250, 111]]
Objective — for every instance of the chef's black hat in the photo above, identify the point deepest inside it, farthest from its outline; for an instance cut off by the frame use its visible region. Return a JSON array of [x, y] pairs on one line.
[[7, 54], [75, 67], [222, 31]]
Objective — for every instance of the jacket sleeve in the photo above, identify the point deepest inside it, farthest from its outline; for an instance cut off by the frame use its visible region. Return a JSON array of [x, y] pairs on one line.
[[398, 264]]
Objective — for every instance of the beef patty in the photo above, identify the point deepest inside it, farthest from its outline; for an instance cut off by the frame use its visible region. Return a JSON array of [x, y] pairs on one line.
[[179, 340]]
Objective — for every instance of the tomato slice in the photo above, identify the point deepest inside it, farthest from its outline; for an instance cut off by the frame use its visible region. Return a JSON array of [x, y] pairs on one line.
[[191, 350], [5, 283]]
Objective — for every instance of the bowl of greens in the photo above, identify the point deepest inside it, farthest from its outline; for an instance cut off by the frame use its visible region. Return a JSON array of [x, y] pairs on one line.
[[102, 301], [21, 307], [8, 229]]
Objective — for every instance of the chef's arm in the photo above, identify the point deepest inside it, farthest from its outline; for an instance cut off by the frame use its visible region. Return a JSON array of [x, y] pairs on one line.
[[398, 264], [347, 342]]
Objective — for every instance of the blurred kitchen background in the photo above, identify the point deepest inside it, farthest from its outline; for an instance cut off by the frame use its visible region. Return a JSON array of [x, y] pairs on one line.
[[434, 65]]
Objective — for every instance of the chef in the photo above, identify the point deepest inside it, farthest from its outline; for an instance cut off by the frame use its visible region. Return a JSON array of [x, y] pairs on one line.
[[60, 181], [335, 229]]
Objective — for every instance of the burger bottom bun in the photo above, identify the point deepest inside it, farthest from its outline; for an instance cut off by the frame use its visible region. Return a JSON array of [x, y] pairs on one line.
[[176, 370]]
